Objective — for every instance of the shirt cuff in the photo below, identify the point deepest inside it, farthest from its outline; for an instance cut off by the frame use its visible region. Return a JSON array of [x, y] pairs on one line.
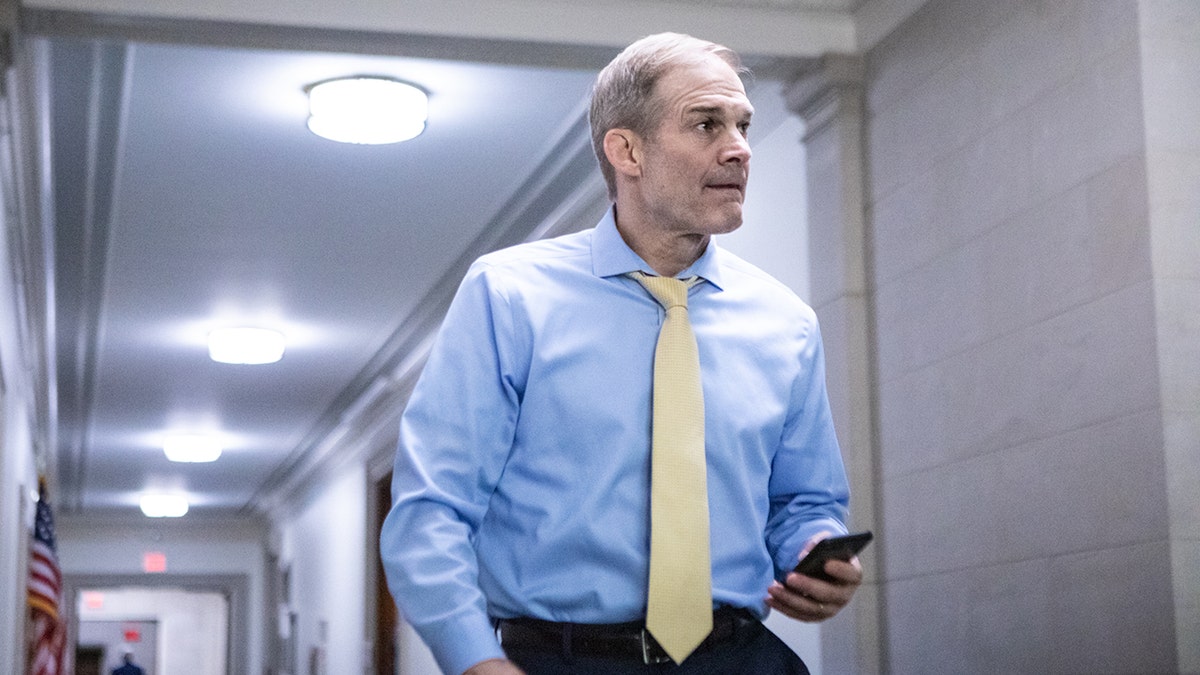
[[789, 553], [459, 642]]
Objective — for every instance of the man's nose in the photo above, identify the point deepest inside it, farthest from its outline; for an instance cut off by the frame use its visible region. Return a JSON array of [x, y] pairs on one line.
[[737, 149]]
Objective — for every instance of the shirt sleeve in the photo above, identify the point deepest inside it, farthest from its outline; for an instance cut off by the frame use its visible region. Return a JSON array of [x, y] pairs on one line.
[[455, 436], [808, 486]]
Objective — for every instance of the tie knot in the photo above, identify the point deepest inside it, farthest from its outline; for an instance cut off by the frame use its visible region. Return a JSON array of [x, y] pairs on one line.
[[668, 291]]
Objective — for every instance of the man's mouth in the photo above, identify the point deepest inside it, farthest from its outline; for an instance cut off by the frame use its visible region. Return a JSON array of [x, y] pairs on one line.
[[732, 182], [740, 188]]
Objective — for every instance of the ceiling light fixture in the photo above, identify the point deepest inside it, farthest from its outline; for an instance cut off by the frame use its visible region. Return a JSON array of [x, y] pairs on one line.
[[164, 505], [251, 346], [367, 110], [192, 448]]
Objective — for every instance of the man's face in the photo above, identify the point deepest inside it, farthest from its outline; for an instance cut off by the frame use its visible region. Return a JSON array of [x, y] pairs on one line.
[[696, 164]]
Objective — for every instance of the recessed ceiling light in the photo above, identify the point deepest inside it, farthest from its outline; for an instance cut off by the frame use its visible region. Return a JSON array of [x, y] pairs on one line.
[[367, 110], [164, 505], [245, 345], [192, 448]]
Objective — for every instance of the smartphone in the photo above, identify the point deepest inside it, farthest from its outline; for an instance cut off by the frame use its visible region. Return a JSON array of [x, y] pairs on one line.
[[843, 548]]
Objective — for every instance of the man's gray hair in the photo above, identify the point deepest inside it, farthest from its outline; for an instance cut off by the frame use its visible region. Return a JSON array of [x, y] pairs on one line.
[[624, 97]]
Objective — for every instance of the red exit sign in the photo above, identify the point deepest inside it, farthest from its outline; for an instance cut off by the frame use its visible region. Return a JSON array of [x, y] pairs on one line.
[[154, 562]]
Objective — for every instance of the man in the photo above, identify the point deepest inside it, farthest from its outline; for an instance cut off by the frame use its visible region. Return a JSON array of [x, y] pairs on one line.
[[129, 668], [522, 485]]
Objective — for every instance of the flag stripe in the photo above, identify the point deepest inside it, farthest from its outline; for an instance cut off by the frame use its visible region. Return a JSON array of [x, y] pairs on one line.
[[44, 593]]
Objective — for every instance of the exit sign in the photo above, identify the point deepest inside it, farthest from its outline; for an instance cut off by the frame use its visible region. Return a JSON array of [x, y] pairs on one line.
[[154, 562]]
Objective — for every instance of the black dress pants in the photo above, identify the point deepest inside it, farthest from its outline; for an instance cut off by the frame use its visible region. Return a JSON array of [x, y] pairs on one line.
[[755, 650]]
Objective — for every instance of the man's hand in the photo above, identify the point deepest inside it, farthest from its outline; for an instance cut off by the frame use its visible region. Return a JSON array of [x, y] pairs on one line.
[[811, 600], [494, 667]]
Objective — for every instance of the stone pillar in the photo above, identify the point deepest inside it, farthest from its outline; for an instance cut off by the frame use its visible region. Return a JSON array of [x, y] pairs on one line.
[[829, 98], [1170, 87]]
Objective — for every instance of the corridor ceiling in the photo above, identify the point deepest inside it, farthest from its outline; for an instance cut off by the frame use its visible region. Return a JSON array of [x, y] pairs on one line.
[[185, 194]]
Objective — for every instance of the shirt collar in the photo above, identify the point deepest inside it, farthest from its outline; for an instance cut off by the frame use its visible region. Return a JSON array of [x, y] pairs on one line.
[[611, 256]]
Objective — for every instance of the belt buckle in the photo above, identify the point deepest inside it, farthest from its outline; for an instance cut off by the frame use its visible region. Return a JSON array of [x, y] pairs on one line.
[[652, 652]]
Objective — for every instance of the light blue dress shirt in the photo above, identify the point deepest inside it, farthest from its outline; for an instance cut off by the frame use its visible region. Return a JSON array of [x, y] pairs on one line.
[[521, 485]]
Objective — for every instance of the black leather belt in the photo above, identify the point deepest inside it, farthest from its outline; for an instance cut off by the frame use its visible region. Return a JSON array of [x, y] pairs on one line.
[[610, 640]]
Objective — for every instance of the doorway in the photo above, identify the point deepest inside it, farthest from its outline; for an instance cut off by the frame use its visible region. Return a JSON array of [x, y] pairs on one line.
[[89, 660], [141, 622], [103, 644], [201, 621]]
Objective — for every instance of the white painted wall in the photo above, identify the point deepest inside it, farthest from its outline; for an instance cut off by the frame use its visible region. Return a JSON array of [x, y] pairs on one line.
[[18, 474], [18, 478], [774, 235], [325, 545]]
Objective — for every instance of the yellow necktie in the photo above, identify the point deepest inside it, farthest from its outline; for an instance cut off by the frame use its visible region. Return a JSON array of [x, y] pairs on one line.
[[679, 604]]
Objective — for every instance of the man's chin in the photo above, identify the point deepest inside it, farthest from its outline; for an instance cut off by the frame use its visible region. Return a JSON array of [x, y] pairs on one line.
[[727, 220], [729, 227]]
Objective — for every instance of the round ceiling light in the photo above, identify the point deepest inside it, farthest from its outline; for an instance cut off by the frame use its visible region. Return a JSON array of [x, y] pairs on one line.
[[251, 346], [164, 505], [367, 110], [192, 448]]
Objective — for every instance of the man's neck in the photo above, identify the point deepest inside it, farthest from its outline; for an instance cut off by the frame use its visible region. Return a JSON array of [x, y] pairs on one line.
[[667, 253]]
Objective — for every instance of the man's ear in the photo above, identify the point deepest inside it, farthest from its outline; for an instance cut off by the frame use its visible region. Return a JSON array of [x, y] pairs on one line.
[[623, 149]]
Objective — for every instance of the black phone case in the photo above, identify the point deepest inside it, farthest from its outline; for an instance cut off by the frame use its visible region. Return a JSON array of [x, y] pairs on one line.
[[842, 548]]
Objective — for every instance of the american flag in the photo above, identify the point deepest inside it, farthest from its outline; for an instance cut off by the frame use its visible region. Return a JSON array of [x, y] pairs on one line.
[[44, 594]]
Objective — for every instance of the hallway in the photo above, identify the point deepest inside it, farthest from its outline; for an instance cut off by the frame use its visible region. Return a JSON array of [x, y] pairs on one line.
[[992, 207]]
